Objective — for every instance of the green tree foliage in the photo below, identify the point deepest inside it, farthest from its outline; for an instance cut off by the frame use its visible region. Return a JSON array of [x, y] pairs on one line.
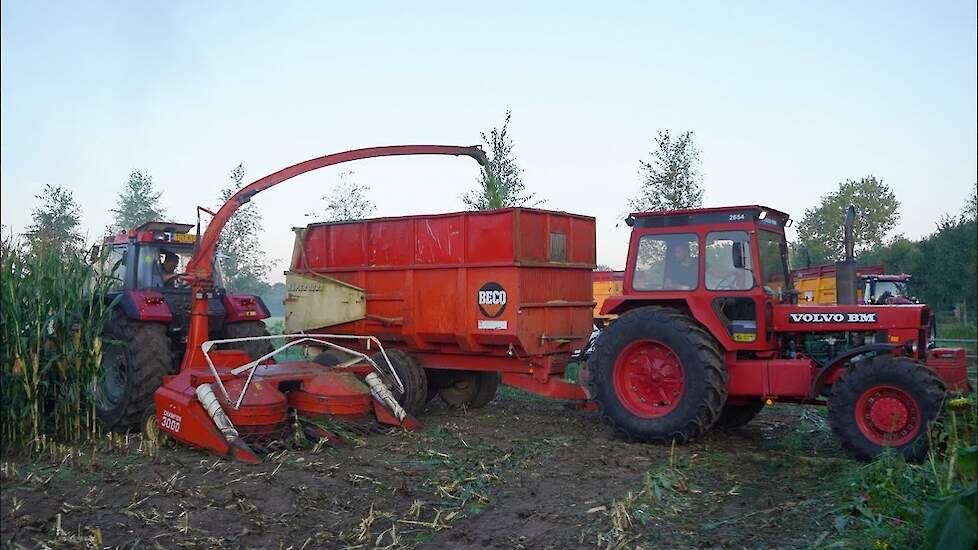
[[943, 265], [346, 201], [947, 269], [56, 221], [244, 262], [970, 211], [670, 178], [138, 203], [821, 228], [900, 255], [500, 184]]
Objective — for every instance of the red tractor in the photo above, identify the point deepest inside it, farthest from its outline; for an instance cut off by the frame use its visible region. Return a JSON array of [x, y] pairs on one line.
[[147, 336], [710, 330]]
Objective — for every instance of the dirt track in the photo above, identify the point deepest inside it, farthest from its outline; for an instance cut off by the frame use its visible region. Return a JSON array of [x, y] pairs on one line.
[[522, 473]]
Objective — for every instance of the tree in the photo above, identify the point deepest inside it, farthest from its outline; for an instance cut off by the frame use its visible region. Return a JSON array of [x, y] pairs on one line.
[[948, 262], [347, 201], [670, 178], [877, 212], [500, 184], [138, 203], [244, 263], [970, 211], [56, 220]]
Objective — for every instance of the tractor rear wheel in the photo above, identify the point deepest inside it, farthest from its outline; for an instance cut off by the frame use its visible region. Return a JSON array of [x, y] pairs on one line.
[[412, 377], [470, 389], [248, 329], [887, 401], [735, 416], [657, 376], [135, 357]]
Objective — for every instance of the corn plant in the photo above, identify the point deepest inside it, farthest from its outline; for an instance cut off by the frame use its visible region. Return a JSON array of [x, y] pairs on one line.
[[52, 311]]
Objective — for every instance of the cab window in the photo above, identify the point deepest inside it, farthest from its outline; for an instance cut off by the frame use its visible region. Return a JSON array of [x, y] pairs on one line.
[[667, 262], [728, 261], [774, 268]]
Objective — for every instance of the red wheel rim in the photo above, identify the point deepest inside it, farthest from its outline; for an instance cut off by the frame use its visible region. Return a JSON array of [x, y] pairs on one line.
[[648, 379], [888, 416]]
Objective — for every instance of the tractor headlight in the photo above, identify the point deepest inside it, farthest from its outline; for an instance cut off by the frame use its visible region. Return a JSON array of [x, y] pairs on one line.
[[911, 347]]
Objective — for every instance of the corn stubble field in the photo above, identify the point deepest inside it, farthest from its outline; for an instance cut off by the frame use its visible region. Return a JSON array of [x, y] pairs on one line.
[[524, 472]]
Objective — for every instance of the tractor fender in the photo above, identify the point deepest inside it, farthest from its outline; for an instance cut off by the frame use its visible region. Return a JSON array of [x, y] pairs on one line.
[[244, 307], [145, 305], [839, 362]]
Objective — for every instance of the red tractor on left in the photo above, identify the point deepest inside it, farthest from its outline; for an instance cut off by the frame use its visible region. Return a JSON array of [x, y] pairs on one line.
[[146, 338]]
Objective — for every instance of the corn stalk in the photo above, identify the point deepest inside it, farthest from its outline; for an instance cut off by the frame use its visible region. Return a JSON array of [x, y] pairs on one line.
[[52, 312]]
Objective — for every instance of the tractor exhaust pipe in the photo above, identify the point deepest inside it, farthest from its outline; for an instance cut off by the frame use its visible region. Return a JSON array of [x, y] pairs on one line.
[[205, 394], [845, 271]]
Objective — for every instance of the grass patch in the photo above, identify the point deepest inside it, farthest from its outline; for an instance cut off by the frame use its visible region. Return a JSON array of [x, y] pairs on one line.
[[889, 503]]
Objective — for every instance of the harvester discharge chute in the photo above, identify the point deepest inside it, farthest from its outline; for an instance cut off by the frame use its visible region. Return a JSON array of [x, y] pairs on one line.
[[232, 404]]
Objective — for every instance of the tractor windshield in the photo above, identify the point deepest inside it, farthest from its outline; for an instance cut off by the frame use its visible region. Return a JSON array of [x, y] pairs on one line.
[[886, 292], [158, 266], [773, 250]]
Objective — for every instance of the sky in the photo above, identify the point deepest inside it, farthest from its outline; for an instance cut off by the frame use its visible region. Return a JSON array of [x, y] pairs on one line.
[[785, 100]]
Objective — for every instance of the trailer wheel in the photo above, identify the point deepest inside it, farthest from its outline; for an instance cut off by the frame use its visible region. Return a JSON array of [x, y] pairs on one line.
[[487, 385], [735, 416], [470, 389], [135, 357], [657, 376], [412, 376], [887, 401], [248, 329]]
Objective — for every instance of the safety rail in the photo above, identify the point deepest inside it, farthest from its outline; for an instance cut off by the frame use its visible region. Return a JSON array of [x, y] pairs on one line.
[[251, 366]]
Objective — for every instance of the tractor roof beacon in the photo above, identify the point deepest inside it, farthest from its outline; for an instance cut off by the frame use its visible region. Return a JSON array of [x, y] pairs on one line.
[[710, 330]]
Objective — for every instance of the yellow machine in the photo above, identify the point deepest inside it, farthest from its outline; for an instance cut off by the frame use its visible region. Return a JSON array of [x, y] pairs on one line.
[[604, 284]]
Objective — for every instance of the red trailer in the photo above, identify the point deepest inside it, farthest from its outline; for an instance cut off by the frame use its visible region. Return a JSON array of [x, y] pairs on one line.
[[467, 296]]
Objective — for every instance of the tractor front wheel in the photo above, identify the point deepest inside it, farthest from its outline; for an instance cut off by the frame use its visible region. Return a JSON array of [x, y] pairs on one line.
[[658, 376], [412, 377], [887, 401], [135, 357]]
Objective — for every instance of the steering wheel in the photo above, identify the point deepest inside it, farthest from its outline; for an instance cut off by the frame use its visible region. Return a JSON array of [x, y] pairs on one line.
[[179, 280], [728, 282]]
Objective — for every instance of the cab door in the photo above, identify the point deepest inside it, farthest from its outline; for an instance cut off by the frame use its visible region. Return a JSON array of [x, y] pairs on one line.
[[730, 276]]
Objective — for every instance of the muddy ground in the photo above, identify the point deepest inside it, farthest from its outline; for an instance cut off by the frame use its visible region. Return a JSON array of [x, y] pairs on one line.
[[521, 473]]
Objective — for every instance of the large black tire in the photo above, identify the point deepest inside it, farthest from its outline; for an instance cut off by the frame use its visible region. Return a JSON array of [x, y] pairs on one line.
[[469, 389], [669, 332], [487, 384], [412, 376], [248, 329], [735, 416], [135, 357], [910, 393]]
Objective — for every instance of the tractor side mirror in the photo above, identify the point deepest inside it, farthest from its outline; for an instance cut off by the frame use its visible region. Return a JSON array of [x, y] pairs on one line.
[[737, 255]]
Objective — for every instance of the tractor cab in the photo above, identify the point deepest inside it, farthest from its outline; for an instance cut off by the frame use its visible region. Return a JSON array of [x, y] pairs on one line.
[[150, 256], [725, 266], [145, 264], [887, 289]]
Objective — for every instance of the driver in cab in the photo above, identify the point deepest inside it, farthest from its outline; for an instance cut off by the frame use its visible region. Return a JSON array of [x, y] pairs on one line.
[[681, 269], [169, 268]]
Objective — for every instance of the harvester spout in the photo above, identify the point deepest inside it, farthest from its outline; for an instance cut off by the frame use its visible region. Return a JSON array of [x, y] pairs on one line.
[[200, 269]]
